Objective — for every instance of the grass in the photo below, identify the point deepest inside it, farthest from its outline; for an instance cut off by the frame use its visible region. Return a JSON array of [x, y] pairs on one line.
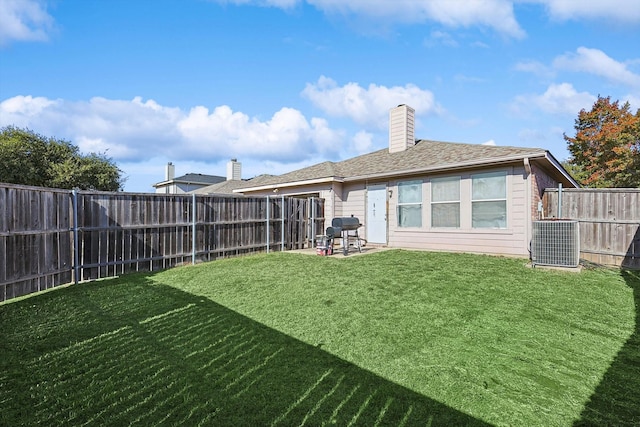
[[392, 338]]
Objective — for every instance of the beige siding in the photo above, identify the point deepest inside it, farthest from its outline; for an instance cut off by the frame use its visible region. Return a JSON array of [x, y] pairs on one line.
[[346, 199], [354, 200], [510, 241]]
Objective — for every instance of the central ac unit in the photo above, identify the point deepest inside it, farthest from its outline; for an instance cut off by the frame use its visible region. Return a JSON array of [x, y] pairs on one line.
[[555, 243]]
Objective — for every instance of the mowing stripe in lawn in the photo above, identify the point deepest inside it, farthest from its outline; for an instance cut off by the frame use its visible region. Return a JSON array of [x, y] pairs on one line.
[[393, 338]]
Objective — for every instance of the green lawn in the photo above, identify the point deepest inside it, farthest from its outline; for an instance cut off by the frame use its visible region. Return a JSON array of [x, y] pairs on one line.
[[391, 338]]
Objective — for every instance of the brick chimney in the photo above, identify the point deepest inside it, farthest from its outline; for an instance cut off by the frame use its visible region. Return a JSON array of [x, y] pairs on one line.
[[401, 128]]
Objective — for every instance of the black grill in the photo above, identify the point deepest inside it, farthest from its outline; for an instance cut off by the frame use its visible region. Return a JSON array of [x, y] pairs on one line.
[[345, 228]]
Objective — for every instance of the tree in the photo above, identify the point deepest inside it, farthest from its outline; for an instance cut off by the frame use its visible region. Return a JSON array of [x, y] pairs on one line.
[[605, 151], [30, 159]]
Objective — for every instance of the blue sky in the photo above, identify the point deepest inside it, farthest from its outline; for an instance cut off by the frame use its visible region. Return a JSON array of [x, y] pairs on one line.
[[283, 84]]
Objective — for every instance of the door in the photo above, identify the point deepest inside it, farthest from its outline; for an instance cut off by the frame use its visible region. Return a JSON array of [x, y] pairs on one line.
[[376, 222]]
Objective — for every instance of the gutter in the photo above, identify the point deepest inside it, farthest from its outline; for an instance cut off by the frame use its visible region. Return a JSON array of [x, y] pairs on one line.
[[416, 171], [561, 169], [290, 184]]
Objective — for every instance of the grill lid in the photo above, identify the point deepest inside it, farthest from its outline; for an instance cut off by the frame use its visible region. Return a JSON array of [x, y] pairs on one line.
[[346, 223]]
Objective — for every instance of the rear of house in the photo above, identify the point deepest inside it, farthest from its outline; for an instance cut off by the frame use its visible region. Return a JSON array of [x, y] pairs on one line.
[[431, 195]]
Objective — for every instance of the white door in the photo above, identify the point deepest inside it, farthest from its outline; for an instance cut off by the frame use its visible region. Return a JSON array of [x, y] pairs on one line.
[[376, 221]]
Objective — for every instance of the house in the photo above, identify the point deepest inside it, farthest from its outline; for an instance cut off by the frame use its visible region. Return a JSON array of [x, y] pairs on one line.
[[233, 181], [185, 183], [431, 195]]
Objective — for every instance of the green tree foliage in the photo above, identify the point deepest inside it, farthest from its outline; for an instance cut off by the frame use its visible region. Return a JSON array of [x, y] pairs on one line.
[[30, 159], [575, 171], [605, 151]]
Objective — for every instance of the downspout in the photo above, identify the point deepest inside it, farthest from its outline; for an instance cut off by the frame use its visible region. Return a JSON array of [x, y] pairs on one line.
[[529, 207]]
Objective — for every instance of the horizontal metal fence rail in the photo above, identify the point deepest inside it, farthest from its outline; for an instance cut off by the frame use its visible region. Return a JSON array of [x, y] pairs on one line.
[[36, 250], [53, 237]]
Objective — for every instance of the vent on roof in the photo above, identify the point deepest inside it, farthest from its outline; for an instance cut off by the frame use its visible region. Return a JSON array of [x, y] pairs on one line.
[[555, 243]]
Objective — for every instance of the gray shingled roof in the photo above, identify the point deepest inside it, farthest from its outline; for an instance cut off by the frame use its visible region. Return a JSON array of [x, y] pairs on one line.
[[227, 187], [199, 178], [424, 155]]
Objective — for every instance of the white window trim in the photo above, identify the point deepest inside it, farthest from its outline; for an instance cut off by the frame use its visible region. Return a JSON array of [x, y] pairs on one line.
[[458, 201], [505, 199], [420, 204]]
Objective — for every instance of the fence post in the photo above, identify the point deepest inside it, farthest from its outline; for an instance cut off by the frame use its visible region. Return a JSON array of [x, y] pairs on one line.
[[193, 228], [76, 244], [268, 233], [282, 214], [313, 222], [559, 200]]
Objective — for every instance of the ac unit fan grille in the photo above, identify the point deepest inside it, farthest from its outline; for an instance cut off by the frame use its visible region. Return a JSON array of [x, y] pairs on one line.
[[555, 243]]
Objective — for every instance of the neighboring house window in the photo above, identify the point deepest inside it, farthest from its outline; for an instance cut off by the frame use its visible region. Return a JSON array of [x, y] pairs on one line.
[[445, 202], [489, 200], [410, 204]]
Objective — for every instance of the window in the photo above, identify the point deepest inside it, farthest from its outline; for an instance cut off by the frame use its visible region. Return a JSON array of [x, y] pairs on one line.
[[410, 204], [489, 200], [445, 202]]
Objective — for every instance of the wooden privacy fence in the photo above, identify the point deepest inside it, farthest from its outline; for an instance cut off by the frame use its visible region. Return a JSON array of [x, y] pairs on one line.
[[609, 221], [52, 237]]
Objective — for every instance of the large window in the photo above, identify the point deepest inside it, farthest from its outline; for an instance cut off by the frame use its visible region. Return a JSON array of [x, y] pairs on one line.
[[489, 200], [410, 204], [445, 202]]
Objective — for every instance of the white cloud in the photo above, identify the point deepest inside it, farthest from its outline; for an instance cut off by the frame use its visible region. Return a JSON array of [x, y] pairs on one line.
[[633, 100], [284, 4], [362, 142], [495, 14], [534, 67], [24, 106], [135, 130], [529, 135], [625, 11], [595, 61], [224, 132], [367, 106], [557, 99], [440, 38], [489, 142], [23, 20]]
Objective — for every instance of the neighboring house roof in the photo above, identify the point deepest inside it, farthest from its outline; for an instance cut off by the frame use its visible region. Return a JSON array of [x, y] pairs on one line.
[[424, 156], [193, 178], [227, 187]]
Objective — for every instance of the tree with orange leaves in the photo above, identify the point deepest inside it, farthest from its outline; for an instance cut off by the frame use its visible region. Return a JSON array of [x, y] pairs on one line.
[[605, 151]]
